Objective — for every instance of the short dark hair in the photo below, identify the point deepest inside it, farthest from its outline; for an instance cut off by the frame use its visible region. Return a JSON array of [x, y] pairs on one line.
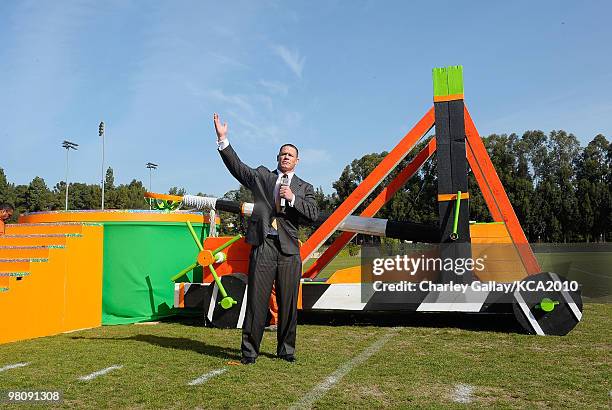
[[297, 152], [6, 206]]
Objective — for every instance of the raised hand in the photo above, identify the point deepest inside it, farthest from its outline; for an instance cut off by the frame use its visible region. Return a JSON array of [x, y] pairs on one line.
[[221, 129]]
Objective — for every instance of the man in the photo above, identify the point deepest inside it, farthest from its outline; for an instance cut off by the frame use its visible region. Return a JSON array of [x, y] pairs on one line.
[[6, 212], [281, 201]]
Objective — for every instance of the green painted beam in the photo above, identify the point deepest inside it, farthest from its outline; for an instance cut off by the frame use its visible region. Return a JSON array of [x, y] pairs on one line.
[[455, 79], [448, 80], [440, 82]]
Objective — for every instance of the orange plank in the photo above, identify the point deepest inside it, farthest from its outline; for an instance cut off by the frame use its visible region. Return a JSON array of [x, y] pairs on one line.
[[452, 97], [24, 252], [114, 216], [346, 275], [488, 231], [32, 240], [164, 197], [499, 195], [12, 265], [26, 229], [452, 197], [397, 154], [181, 295], [374, 206]]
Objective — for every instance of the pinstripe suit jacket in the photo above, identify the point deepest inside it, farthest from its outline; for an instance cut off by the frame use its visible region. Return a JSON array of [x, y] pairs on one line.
[[261, 181]]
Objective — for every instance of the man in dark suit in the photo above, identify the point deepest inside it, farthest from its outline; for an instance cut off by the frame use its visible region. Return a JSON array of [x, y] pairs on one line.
[[282, 200]]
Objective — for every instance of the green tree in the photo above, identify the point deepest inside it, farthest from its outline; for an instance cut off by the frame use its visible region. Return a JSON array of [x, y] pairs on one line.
[[232, 224], [37, 196], [593, 189], [7, 191], [177, 191], [110, 190], [564, 150], [84, 196], [510, 157]]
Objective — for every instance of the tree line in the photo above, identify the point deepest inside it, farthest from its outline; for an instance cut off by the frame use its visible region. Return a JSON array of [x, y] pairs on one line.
[[560, 191]]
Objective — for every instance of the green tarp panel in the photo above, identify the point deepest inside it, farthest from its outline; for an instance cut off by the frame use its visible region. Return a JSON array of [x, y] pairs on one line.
[[139, 260]]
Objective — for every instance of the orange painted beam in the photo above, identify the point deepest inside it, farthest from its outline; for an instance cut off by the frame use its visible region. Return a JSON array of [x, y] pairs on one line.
[[114, 216], [24, 251], [452, 197], [47, 228], [14, 265], [397, 154], [374, 206], [165, 197], [444, 98], [499, 195], [32, 240]]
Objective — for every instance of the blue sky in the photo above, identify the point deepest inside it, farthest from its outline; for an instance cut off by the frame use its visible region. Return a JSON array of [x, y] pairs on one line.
[[337, 78]]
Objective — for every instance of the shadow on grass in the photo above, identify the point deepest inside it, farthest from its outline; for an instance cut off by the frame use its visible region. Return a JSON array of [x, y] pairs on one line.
[[489, 322], [179, 343], [502, 323]]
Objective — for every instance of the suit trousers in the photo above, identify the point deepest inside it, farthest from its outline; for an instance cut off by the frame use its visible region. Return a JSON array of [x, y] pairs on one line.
[[267, 265]]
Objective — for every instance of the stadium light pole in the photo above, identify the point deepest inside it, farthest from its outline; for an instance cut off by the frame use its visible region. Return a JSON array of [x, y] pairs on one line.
[[101, 134], [68, 145], [151, 167]]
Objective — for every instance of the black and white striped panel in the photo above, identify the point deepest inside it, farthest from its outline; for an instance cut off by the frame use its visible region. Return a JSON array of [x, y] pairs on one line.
[[207, 298], [561, 320]]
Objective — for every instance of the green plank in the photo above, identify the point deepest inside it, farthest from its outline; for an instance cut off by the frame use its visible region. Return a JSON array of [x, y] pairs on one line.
[[448, 80], [440, 82], [455, 79]]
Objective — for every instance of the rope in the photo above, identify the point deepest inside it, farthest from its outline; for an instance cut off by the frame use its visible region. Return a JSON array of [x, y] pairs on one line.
[[212, 232], [199, 202]]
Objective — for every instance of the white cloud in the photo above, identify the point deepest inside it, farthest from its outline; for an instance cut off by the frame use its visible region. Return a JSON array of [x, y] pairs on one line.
[[291, 58], [275, 87], [237, 100], [226, 60]]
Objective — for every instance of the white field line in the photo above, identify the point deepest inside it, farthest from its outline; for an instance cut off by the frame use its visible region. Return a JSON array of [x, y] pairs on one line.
[[76, 330], [13, 366], [319, 391], [463, 393], [100, 373], [205, 377]]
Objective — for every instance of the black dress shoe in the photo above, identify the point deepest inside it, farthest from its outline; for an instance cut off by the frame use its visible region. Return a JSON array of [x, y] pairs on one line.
[[247, 360], [288, 358]]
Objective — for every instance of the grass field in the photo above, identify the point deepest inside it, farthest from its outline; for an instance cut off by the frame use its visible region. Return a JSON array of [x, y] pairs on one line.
[[421, 361], [417, 360]]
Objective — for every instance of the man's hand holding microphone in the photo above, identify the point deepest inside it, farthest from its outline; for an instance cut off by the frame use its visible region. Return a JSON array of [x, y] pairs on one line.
[[284, 192]]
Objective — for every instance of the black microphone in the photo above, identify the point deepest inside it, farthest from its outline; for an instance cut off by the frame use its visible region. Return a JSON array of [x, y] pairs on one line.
[[284, 182]]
